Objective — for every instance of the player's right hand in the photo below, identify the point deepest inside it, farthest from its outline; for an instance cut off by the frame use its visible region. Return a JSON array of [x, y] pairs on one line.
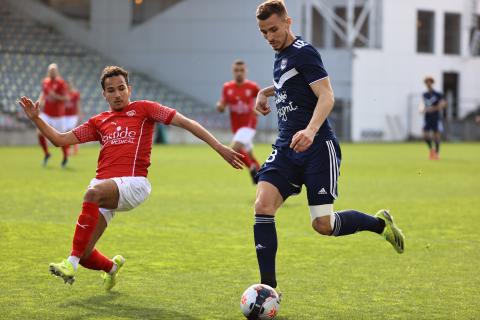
[[262, 104], [32, 110]]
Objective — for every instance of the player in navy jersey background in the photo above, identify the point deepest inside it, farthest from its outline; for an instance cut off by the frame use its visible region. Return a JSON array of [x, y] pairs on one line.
[[306, 151], [433, 104]]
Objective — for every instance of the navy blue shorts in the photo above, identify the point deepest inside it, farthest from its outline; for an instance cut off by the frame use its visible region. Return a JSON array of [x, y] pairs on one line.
[[317, 168], [433, 125]]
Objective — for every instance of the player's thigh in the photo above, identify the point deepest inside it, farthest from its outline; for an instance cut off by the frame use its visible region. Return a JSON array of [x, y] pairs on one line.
[[133, 191], [268, 198], [321, 179], [244, 136], [104, 192]]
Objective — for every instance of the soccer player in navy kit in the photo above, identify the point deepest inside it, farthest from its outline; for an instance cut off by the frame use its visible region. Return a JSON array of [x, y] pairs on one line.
[[306, 151], [433, 103]]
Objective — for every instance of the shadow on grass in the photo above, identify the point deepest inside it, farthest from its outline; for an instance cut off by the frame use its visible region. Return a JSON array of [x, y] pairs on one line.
[[106, 305]]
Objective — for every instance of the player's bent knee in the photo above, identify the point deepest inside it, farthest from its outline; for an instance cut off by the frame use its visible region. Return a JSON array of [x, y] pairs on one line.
[[322, 226], [93, 195], [321, 216], [264, 207]]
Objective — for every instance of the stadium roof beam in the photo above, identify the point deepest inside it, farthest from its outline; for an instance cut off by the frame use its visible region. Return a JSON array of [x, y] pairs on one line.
[[351, 29]]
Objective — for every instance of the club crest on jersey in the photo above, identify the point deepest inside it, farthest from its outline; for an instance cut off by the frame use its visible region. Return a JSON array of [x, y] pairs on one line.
[[283, 64], [131, 113]]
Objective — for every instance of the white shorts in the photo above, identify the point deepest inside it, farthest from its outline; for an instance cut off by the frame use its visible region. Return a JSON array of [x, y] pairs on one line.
[[56, 122], [245, 135], [133, 191], [70, 122]]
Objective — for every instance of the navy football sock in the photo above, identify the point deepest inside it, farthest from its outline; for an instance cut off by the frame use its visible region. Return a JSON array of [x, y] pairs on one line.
[[351, 221], [429, 143], [437, 146], [265, 235]]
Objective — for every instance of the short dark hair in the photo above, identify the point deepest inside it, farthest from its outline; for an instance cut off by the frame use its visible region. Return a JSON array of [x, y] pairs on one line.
[[270, 7], [429, 79], [113, 71], [238, 62]]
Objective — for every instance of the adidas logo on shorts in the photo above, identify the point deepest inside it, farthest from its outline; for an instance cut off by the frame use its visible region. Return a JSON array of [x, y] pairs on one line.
[[322, 191]]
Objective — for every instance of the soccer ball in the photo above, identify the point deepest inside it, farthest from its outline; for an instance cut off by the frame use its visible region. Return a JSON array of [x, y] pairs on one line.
[[260, 302]]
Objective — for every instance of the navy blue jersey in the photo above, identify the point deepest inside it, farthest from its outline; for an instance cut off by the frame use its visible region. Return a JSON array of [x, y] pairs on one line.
[[295, 68], [432, 99]]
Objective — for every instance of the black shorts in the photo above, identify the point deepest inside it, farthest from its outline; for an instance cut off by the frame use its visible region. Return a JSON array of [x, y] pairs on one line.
[[433, 125], [318, 169]]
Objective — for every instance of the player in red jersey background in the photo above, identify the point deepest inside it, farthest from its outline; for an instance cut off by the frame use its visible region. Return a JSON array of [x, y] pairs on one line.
[[72, 109], [51, 100], [239, 96], [125, 134]]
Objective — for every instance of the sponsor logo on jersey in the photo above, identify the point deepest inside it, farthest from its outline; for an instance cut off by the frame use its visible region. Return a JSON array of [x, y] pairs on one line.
[[280, 97], [119, 136], [285, 110]]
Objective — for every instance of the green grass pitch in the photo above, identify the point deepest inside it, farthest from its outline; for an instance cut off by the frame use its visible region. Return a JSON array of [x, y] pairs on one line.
[[189, 247]]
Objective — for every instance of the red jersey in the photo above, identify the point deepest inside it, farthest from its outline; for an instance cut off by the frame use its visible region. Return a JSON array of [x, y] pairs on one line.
[[71, 104], [126, 137], [53, 107], [241, 101]]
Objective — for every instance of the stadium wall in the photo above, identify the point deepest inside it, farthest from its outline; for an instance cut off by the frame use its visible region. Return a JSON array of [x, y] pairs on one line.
[[189, 46]]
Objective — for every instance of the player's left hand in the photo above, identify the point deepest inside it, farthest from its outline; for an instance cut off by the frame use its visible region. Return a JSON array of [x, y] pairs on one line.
[[302, 140], [231, 156]]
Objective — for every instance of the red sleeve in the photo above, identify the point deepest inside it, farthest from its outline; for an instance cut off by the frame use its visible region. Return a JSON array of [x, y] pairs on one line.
[[158, 113], [44, 87], [62, 89], [86, 132], [224, 93], [256, 88]]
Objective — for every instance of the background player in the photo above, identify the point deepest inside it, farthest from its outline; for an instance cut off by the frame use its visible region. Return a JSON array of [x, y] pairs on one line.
[[52, 97], [125, 133], [72, 109], [306, 151], [433, 103], [239, 95]]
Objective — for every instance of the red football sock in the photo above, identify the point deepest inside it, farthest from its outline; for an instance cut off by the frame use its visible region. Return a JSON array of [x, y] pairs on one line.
[[254, 160], [97, 261], [43, 143], [65, 150], [246, 158], [87, 221]]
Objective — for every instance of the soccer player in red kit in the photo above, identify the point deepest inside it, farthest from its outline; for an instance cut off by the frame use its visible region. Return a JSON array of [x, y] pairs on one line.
[[239, 95], [51, 100], [125, 134], [72, 109]]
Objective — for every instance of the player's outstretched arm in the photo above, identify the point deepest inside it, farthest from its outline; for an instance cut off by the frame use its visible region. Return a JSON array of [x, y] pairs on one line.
[[261, 104], [302, 140], [232, 157], [32, 110]]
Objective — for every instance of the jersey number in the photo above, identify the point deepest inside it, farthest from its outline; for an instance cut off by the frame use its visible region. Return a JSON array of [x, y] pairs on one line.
[[299, 44], [272, 156]]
